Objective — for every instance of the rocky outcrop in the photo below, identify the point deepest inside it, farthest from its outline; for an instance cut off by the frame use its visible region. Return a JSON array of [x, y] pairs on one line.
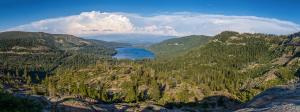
[[277, 99]]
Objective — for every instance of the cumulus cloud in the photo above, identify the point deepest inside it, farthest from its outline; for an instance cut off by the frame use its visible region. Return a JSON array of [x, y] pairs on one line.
[[175, 24]]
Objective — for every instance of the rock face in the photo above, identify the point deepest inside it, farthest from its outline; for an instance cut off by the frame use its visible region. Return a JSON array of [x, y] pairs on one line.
[[276, 99]]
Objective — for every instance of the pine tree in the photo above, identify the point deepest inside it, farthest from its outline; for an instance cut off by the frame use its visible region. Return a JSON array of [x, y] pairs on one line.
[[37, 78], [51, 89], [34, 90], [17, 72], [28, 80], [25, 73], [154, 91], [131, 95]]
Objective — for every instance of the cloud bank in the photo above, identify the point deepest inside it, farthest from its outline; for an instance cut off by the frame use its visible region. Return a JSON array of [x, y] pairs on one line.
[[175, 24]]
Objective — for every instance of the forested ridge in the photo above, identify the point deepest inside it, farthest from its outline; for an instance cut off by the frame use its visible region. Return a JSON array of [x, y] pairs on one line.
[[43, 52], [177, 46], [230, 61], [232, 65]]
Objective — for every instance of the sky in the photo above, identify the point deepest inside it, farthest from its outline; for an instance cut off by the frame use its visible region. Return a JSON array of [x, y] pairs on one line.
[[157, 17]]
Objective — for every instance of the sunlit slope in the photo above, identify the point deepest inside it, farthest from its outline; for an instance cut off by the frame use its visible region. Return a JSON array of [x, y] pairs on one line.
[[176, 46], [234, 63]]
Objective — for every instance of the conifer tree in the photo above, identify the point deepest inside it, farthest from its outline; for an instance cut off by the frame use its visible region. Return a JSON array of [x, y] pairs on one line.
[[154, 91]]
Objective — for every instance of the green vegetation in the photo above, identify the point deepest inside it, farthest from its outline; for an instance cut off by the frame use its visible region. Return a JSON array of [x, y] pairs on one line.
[[227, 63], [224, 66], [231, 65], [176, 46], [41, 53]]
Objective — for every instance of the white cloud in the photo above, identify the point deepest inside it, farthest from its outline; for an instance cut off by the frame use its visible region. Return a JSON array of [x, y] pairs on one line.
[[176, 24]]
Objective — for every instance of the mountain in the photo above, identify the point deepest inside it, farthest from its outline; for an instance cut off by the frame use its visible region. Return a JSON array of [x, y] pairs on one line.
[[44, 42], [41, 53], [175, 46], [235, 65], [280, 97], [230, 67], [222, 74], [140, 40]]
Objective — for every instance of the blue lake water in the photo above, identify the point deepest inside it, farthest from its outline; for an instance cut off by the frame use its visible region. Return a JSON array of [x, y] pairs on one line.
[[133, 53]]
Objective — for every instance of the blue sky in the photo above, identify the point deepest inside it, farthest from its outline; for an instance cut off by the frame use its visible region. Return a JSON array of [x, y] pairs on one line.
[[22, 12]]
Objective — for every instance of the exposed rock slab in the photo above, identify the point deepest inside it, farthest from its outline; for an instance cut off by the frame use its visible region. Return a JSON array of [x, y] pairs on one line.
[[276, 99]]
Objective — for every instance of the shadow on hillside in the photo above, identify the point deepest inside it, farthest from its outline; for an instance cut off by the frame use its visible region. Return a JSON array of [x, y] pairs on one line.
[[291, 58], [85, 106], [66, 108], [297, 74], [211, 103], [94, 108], [217, 102]]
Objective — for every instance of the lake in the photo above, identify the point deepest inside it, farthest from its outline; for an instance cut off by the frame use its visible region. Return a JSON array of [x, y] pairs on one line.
[[133, 53]]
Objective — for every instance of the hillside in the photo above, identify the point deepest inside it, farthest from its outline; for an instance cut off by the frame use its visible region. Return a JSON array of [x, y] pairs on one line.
[[41, 53], [231, 67], [281, 97], [235, 65], [175, 46], [232, 58], [43, 42]]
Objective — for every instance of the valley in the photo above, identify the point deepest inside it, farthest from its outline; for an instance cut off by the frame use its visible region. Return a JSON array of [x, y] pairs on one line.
[[55, 72]]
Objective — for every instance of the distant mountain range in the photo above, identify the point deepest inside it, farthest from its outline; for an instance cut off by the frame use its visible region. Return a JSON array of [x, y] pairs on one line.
[[134, 39], [44, 42]]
